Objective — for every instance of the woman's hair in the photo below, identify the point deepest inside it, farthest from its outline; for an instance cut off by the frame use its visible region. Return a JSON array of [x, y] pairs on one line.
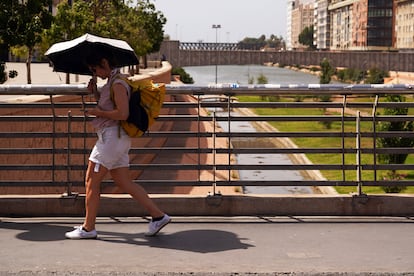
[[95, 56]]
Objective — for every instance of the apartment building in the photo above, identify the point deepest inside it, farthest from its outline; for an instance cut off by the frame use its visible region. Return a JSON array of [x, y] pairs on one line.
[[341, 18], [404, 24], [359, 28], [322, 25], [302, 15], [357, 24], [290, 7]]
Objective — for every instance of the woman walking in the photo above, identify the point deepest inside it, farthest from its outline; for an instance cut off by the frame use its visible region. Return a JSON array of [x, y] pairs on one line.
[[110, 153]]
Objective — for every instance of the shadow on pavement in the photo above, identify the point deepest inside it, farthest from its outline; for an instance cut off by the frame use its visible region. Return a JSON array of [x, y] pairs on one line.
[[196, 240], [200, 241], [36, 231]]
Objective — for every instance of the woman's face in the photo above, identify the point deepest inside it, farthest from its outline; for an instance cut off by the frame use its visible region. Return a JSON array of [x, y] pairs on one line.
[[102, 70]]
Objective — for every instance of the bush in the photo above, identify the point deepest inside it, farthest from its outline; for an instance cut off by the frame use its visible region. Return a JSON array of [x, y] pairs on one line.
[[396, 177], [262, 79], [13, 74], [326, 72], [184, 76], [376, 75]]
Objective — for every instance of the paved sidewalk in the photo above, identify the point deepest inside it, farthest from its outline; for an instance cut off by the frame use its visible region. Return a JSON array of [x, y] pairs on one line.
[[211, 246], [42, 73]]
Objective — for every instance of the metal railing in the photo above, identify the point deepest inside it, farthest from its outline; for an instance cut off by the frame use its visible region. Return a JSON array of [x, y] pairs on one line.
[[46, 143]]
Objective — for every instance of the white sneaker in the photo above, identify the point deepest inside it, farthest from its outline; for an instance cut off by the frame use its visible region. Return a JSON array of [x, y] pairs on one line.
[[155, 226], [79, 233]]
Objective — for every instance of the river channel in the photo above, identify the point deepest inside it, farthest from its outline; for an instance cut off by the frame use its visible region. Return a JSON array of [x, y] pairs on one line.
[[205, 75]]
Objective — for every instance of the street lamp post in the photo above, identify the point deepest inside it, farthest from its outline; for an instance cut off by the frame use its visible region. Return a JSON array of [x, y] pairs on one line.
[[216, 27]]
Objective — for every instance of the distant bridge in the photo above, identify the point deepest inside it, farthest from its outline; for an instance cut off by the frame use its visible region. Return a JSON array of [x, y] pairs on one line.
[[208, 46], [181, 54]]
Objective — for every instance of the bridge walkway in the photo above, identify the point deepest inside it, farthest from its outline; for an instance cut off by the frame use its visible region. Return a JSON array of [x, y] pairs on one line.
[[211, 246]]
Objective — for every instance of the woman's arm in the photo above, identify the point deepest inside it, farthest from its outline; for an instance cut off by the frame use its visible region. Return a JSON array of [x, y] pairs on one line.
[[121, 110]]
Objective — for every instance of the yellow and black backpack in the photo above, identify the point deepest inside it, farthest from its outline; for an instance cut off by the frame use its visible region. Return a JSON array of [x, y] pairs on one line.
[[145, 104]]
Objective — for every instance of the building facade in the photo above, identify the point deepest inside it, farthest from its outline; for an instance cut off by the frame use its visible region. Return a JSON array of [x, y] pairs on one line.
[[341, 18], [404, 24], [322, 25], [356, 24], [303, 15], [290, 8]]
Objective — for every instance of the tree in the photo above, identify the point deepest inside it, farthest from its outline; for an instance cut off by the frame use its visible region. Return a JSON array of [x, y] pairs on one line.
[[148, 27], [306, 37], [250, 43], [24, 22], [141, 26], [396, 141], [376, 75], [71, 21], [275, 42], [327, 72], [9, 22], [326, 75]]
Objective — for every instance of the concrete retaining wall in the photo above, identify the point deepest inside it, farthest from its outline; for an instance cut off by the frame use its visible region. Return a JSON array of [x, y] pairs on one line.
[[243, 205], [389, 61]]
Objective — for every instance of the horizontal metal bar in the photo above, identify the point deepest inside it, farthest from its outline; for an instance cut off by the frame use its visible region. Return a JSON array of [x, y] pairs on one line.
[[284, 134], [42, 151], [46, 135], [227, 89], [169, 150], [283, 150], [282, 167], [93, 135], [286, 167], [195, 183], [218, 104], [388, 167], [86, 151], [284, 118], [195, 118]]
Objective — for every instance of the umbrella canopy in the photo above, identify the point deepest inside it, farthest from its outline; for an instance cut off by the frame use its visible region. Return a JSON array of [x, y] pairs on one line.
[[70, 56]]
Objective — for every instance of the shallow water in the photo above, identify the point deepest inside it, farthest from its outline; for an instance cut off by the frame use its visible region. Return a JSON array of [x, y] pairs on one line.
[[204, 75]]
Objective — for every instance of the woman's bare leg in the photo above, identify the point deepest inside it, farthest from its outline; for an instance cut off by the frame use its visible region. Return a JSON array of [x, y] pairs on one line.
[[121, 178], [93, 193]]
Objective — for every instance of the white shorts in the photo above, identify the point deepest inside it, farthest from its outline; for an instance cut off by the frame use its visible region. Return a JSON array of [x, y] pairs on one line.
[[110, 150]]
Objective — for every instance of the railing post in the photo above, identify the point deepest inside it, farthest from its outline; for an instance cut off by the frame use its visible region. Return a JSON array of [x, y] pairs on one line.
[[68, 159], [358, 153], [229, 132], [343, 137], [374, 131], [199, 136], [84, 135], [214, 153], [53, 137]]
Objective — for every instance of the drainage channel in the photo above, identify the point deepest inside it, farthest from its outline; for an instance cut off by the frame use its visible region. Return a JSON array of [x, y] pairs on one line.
[[261, 159]]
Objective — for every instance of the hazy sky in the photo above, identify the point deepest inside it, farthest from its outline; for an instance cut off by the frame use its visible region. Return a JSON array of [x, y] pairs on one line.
[[192, 20]]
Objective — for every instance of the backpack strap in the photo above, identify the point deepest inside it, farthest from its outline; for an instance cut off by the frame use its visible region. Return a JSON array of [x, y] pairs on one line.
[[112, 96]]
